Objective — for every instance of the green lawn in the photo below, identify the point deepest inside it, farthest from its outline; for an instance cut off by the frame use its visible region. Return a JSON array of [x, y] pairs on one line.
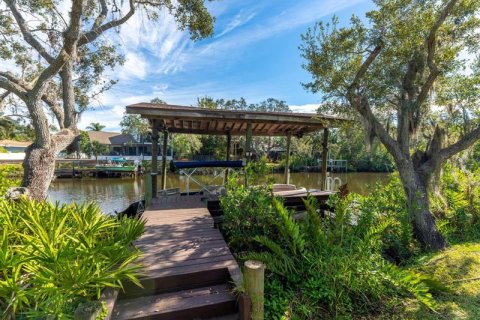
[[458, 267]]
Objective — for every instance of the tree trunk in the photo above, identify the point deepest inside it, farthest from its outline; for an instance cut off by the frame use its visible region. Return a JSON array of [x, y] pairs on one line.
[[39, 162], [38, 170], [68, 95], [423, 222]]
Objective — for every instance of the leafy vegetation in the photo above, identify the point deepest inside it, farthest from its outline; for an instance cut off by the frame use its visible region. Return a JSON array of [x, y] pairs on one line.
[[15, 129], [9, 174], [91, 148], [363, 261], [457, 204], [330, 267], [54, 257]]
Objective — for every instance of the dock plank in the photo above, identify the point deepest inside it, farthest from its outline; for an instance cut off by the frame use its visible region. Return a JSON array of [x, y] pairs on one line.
[[180, 237]]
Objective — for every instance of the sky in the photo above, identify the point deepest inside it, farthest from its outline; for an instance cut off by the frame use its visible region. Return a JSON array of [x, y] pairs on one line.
[[253, 54]]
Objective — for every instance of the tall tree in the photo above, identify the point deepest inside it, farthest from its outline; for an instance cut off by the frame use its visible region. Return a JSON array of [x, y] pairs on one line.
[[95, 126], [33, 29], [392, 67]]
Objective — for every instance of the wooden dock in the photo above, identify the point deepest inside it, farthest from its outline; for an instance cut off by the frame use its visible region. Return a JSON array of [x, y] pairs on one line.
[[189, 270]]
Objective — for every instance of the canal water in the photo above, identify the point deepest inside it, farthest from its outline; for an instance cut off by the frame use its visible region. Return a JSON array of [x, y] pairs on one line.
[[115, 194]]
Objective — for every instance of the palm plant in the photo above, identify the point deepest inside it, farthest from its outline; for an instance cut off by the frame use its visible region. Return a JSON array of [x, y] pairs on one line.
[[52, 257], [95, 126]]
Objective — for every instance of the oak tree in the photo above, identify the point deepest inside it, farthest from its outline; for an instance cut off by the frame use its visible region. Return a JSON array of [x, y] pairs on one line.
[[47, 47], [402, 63]]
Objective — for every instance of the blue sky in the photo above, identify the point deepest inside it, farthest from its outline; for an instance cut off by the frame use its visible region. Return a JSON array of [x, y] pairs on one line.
[[253, 54]]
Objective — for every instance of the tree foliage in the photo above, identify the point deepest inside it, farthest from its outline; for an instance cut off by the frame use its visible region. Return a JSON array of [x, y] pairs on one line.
[[58, 63], [414, 64]]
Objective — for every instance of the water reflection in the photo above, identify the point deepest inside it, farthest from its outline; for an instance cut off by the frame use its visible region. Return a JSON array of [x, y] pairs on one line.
[[117, 194], [110, 194]]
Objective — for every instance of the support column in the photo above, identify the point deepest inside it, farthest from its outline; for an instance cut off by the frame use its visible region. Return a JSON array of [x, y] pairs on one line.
[[287, 160], [229, 146], [248, 143], [154, 168], [248, 149], [164, 159], [324, 158]]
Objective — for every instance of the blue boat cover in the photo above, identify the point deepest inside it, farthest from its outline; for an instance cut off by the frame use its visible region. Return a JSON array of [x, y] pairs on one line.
[[208, 164]]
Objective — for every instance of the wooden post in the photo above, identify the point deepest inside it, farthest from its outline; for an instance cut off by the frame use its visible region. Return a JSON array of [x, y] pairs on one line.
[[253, 279], [148, 190], [164, 159], [229, 145], [154, 169], [287, 160], [248, 143], [248, 149], [324, 158]]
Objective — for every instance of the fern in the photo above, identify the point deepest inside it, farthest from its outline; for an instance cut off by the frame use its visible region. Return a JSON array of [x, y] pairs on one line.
[[289, 228], [413, 283], [278, 264]]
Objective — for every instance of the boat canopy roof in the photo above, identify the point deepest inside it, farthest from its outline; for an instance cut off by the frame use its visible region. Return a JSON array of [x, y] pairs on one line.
[[194, 120]]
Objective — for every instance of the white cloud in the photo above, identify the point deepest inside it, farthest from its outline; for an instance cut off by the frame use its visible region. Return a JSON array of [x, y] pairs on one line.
[[239, 20], [170, 51], [301, 14], [160, 41], [135, 66], [306, 108], [109, 117]]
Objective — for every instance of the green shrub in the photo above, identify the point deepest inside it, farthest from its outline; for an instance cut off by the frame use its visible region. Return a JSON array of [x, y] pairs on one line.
[[54, 257], [248, 212], [256, 172], [388, 203], [3, 150], [322, 268], [457, 205], [7, 177]]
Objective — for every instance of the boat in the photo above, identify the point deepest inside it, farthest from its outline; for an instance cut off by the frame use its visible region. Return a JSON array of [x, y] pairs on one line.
[[116, 165]]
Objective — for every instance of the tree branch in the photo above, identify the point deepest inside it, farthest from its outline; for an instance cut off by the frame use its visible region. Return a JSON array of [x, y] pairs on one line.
[[67, 52], [364, 68], [27, 35], [3, 96], [431, 43], [365, 111], [95, 33], [49, 100], [361, 104], [10, 86], [56, 109], [445, 153], [102, 16]]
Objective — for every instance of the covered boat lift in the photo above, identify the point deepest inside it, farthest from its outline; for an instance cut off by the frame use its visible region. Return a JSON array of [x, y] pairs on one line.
[[193, 120]]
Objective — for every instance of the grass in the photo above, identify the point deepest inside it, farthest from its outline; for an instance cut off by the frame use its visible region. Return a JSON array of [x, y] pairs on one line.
[[458, 268]]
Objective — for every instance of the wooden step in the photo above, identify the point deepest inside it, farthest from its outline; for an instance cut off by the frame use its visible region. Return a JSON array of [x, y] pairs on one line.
[[200, 303], [176, 282]]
